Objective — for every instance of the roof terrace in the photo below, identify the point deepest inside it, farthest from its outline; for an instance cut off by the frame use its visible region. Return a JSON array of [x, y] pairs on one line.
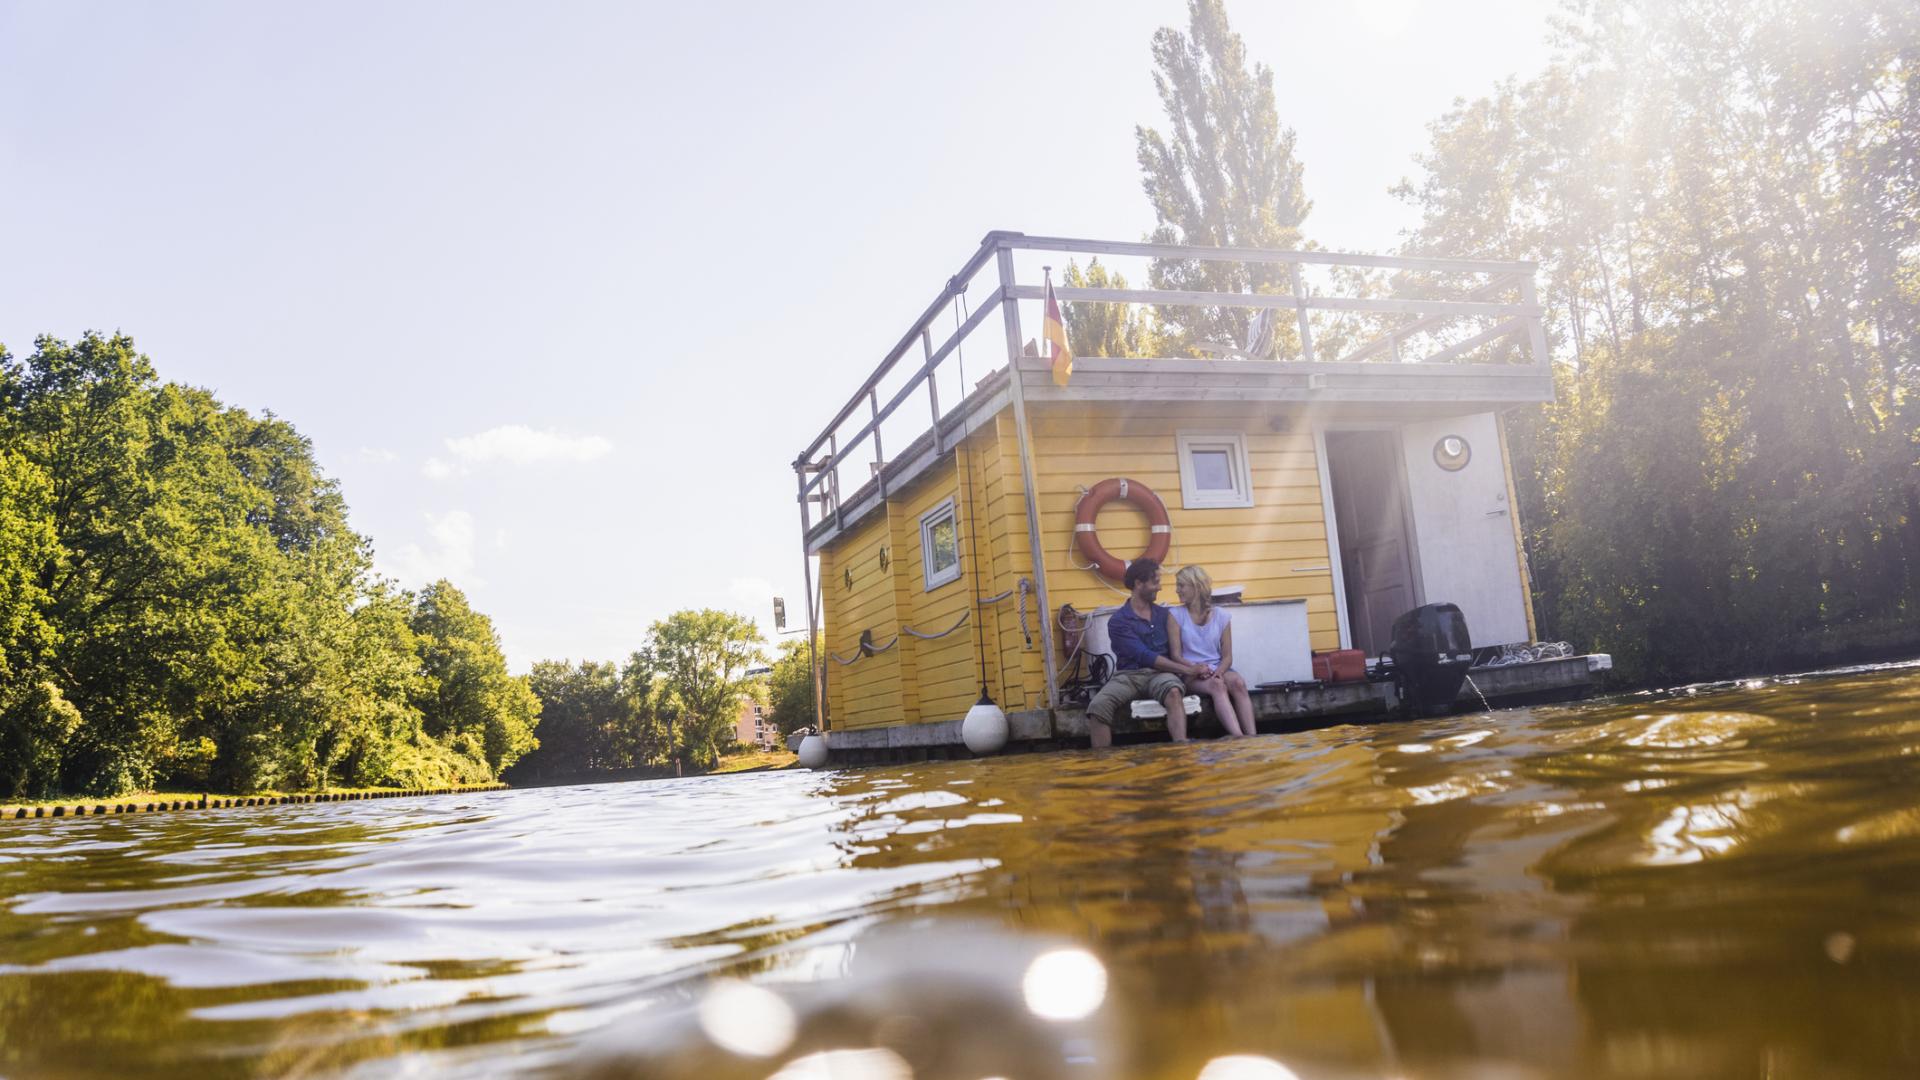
[[1358, 332]]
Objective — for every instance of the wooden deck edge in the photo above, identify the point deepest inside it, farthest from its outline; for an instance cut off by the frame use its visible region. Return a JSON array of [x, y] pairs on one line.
[[1289, 709]]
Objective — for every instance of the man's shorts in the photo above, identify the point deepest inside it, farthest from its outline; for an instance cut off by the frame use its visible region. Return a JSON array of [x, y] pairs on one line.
[[1126, 687]]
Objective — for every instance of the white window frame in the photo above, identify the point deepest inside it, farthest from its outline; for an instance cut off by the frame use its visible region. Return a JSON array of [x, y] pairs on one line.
[[936, 578], [1235, 443]]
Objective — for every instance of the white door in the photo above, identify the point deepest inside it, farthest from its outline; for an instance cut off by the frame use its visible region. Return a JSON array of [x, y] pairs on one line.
[[1463, 526]]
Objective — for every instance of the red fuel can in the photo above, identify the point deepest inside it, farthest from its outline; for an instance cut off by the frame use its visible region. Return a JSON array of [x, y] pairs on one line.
[[1340, 666]]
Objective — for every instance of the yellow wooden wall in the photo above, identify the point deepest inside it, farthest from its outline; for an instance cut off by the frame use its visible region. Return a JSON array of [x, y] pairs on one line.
[[917, 680], [1277, 549], [868, 691]]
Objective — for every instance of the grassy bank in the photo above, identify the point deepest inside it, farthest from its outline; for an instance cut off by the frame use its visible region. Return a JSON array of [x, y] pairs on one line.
[[755, 761]]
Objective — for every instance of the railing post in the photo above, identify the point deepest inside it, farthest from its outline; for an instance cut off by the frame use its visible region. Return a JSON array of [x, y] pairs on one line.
[[833, 480], [1536, 326], [1005, 259], [814, 672], [879, 452], [1300, 309], [933, 390]]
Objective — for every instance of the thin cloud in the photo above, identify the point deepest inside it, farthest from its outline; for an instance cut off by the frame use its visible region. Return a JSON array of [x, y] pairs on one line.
[[448, 554], [752, 597], [519, 444]]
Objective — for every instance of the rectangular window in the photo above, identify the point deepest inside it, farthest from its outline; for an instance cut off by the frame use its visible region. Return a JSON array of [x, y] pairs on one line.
[[1213, 470], [940, 545]]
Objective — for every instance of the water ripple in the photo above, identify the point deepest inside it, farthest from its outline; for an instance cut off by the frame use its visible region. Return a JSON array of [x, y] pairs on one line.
[[1697, 883]]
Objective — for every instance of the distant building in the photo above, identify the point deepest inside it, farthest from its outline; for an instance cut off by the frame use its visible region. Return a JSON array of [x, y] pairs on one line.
[[754, 726]]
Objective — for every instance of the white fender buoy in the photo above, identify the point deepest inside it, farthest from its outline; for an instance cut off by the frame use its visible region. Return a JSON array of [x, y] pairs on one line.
[[985, 728], [813, 752]]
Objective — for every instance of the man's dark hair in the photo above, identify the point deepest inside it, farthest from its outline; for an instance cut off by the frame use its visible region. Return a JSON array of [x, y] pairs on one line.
[[1140, 570]]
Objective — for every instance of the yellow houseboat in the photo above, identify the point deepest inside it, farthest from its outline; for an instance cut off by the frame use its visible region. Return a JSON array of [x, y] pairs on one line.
[[1343, 465]]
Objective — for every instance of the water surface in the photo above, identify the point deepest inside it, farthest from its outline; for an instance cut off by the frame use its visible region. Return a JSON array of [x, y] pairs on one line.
[[1720, 881]]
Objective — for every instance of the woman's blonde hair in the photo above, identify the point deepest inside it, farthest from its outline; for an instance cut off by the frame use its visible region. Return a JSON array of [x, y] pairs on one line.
[[1196, 579]]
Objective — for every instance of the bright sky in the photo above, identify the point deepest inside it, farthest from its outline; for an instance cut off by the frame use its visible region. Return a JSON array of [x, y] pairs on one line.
[[559, 290]]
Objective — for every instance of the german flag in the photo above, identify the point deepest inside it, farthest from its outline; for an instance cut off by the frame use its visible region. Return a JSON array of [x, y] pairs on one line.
[[1054, 329]]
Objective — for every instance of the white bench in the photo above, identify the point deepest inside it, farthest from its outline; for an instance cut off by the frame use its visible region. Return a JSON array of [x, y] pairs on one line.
[[1153, 710]]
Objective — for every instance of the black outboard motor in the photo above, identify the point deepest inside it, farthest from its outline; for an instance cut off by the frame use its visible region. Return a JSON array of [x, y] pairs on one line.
[[1431, 654]]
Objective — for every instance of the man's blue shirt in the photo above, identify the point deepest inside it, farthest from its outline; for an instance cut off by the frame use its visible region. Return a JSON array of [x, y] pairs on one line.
[[1137, 642]]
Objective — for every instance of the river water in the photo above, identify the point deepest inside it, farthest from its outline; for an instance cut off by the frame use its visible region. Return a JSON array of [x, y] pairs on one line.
[[1718, 881]]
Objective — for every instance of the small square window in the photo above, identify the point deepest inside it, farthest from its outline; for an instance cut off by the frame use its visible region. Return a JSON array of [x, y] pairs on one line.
[[940, 545], [1213, 470]]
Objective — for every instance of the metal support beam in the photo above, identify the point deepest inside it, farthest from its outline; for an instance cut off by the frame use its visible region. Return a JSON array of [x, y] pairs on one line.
[[879, 451], [1499, 282], [1275, 300], [1261, 255], [933, 389], [1461, 348], [1300, 295], [1005, 258], [1536, 326], [813, 632]]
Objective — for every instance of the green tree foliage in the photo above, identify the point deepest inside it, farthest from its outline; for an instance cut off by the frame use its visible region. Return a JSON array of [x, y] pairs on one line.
[[1096, 329], [587, 723], [1223, 174], [182, 602], [790, 686], [700, 660], [35, 722], [1723, 199], [469, 701], [27, 544]]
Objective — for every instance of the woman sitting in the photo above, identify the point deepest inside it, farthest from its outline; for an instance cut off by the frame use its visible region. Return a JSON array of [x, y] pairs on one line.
[[1205, 638]]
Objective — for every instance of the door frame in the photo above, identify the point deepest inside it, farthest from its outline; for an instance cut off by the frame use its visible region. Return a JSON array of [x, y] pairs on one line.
[[1342, 616]]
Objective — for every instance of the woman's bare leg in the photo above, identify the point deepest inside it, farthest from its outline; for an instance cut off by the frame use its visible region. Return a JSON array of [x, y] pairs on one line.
[[1216, 688], [1242, 701]]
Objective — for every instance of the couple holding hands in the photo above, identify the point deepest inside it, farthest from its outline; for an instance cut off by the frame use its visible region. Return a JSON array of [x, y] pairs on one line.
[[1160, 654]]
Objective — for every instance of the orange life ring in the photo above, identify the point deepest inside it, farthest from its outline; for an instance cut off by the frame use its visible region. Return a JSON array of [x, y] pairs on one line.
[[1087, 538]]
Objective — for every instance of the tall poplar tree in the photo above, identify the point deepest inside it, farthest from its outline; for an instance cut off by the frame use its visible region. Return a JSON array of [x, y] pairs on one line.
[[1223, 174]]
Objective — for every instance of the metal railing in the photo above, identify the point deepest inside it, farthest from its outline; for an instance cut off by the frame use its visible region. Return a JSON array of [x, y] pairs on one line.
[[819, 475]]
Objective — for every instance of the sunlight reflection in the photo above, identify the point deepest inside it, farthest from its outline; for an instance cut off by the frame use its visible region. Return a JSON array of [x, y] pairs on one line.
[[869, 1064], [1245, 1067], [746, 1019], [1066, 984], [1458, 789], [1691, 833], [1691, 730]]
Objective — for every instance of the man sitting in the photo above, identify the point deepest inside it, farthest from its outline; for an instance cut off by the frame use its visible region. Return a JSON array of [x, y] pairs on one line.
[[1146, 669]]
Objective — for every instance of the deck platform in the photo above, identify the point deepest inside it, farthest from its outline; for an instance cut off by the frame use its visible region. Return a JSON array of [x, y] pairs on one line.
[[1299, 708]]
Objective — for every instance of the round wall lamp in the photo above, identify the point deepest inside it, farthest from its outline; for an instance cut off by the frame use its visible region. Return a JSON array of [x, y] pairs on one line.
[[1452, 453]]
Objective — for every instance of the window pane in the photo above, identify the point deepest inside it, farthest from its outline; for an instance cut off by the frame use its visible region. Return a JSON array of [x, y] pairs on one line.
[[1212, 470], [943, 544]]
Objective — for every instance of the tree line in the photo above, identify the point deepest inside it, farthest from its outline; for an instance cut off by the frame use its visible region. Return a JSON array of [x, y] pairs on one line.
[[184, 606], [671, 707], [1723, 198]]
